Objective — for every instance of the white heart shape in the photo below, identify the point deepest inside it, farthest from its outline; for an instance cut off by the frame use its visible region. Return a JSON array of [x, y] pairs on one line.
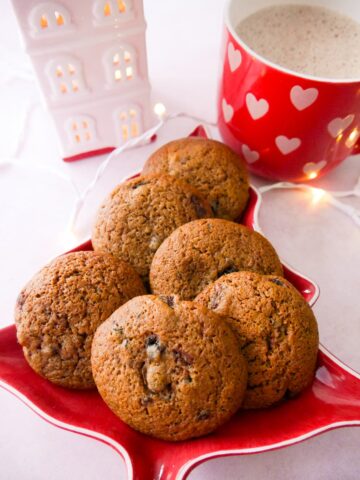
[[302, 98], [257, 108], [228, 111], [338, 125], [314, 168], [234, 57], [251, 156], [287, 145]]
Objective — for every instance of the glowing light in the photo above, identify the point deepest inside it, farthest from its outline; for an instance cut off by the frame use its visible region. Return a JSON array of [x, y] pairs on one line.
[[317, 195], [129, 72], [121, 6], [107, 9], [68, 239], [125, 132], [352, 138], [159, 110], [127, 56], [59, 71], [75, 86], [43, 21], [339, 137], [312, 175], [59, 18], [134, 129]]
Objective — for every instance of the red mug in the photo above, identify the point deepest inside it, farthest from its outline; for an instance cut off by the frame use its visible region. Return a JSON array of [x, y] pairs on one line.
[[287, 125]]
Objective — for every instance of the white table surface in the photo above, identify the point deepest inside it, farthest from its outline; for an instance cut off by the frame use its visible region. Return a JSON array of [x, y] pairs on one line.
[[183, 52]]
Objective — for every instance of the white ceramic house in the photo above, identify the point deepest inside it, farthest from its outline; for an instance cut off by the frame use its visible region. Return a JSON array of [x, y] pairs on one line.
[[90, 60]]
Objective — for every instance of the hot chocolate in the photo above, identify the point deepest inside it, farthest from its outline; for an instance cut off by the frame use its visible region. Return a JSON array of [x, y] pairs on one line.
[[307, 39]]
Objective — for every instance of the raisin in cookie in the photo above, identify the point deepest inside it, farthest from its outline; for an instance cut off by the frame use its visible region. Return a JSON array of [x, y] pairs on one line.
[[210, 166], [277, 331], [59, 310], [140, 213], [168, 368], [199, 252]]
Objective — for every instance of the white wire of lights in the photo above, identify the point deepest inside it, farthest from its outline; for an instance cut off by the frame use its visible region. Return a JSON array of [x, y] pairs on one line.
[[12, 160], [141, 140], [319, 194], [331, 197]]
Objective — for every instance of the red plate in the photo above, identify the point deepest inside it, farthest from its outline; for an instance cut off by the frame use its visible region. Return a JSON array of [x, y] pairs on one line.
[[332, 401]]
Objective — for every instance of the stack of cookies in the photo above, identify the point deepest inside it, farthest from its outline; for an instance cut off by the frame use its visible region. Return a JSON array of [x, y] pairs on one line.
[[180, 315]]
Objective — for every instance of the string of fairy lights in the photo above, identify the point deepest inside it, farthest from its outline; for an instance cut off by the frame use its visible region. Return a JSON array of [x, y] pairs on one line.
[[317, 194]]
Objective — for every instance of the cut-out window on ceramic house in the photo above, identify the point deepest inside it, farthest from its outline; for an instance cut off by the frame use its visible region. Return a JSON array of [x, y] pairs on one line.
[[129, 122], [49, 18], [120, 64], [81, 130], [109, 11], [66, 76]]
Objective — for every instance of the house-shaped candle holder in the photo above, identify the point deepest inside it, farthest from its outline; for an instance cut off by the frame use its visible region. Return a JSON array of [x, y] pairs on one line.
[[90, 62]]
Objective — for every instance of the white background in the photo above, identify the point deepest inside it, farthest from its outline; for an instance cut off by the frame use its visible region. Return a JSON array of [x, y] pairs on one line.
[[183, 51]]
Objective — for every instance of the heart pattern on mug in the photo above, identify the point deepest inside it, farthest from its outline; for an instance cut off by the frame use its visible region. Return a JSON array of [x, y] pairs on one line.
[[257, 107], [314, 168], [234, 57], [287, 145], [302, 98], [228, 110], [338, 125], [251, 156]]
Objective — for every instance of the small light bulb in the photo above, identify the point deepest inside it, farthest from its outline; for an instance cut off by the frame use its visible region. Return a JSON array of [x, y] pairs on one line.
[[159, 110], [317, 195], [352, 138], [312, 175], [68, 239], [339, 137]]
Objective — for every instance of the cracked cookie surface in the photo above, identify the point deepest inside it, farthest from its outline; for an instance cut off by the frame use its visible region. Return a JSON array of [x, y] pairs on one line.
[[277, 331], [198, 253], [211, 167], [59, 310], [140, 213], [168, 368]]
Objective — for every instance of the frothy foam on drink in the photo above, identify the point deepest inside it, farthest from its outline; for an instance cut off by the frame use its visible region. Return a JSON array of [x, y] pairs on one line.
[[311, 40]]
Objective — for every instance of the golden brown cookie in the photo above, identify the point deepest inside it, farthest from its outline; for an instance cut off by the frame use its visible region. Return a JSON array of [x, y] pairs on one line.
[[211, 167], [167, 368], [277, 330], [200, 252], [140, 213], [59, 310]]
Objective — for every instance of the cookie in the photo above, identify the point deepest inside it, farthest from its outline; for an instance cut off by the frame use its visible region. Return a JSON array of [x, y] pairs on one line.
[[200, 252], [170, 369], [277, 331], [140, 213], [211, 167], [59, 310]]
